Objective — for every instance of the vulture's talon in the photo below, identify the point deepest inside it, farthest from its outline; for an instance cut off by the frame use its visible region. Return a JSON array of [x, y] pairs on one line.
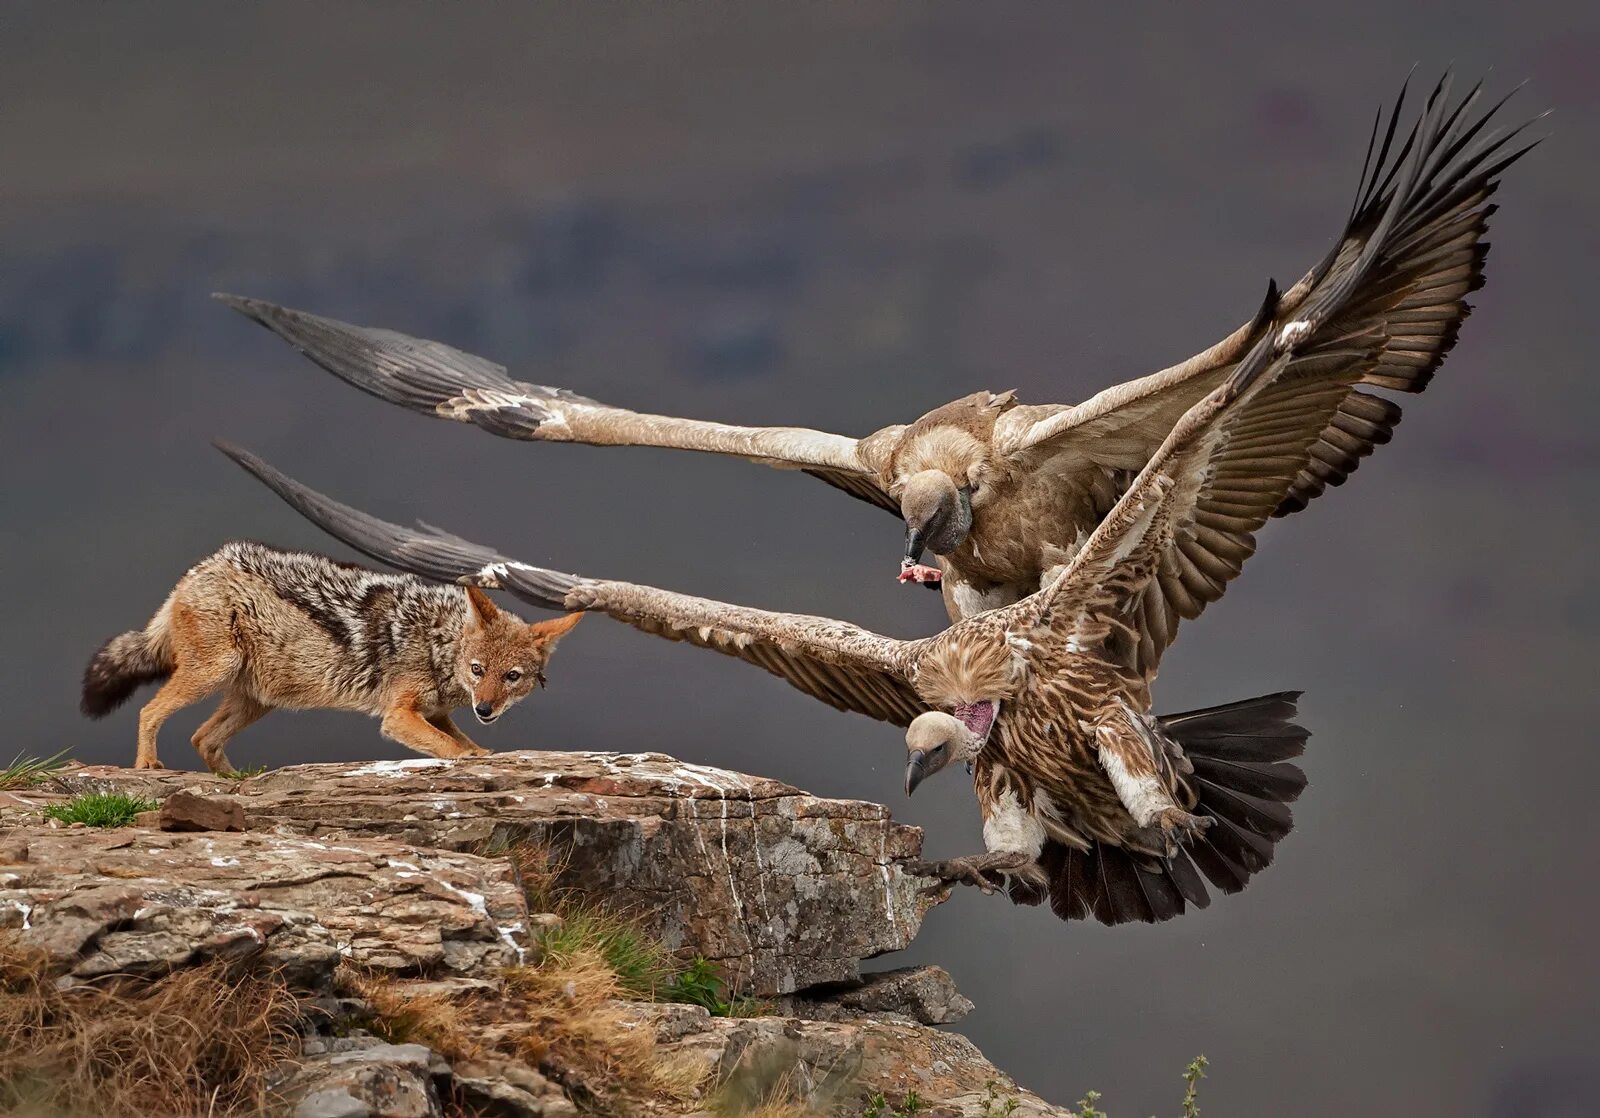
[[1177, 828], [980, 870]]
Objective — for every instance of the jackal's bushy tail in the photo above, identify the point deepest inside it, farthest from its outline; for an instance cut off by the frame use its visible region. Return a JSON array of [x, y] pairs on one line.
[[123, 664]]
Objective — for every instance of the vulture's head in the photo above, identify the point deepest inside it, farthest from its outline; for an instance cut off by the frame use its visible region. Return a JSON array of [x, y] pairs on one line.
[[942, 471], [935, 739], [937, 512]]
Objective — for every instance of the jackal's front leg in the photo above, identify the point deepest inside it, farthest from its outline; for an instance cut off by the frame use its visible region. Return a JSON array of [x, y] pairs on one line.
[[448, 725], [1135, 763], [407, 725]]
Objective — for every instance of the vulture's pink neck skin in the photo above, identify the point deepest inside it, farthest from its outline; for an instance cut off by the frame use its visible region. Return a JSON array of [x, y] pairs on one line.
[[977, 717]]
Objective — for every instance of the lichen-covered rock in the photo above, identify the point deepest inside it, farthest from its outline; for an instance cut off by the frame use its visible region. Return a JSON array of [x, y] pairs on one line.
[[145, 902], [839, 1065], [783, 889], [927, 995], [365, 1079], [380, 864]]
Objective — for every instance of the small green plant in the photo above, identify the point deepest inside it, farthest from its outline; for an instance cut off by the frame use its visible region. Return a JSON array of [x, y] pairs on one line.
[[1088, 1105], [698, 984], [242, 774], [996, 1107], [1087, 1108], [100, 809], [25, 772], [1192, 1075], [878, 1106]]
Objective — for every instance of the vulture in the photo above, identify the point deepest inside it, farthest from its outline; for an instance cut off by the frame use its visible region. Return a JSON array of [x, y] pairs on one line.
[[1087, 797], [1005, 493]]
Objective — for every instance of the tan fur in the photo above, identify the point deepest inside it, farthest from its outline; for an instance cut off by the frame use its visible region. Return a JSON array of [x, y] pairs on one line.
[[418, 651]]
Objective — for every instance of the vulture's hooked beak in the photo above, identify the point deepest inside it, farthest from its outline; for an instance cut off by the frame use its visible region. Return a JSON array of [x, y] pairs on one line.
[[916, 769], [912, 568], [916, 544]]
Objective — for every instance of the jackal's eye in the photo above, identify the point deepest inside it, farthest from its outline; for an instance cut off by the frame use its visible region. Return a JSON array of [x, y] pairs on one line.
[[538, 677], [513, 675], [477, 669]]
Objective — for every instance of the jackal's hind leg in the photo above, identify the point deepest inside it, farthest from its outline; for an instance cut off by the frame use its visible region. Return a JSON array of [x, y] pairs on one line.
[[206, 660], [187, 685], [448, 725], [236, 711]]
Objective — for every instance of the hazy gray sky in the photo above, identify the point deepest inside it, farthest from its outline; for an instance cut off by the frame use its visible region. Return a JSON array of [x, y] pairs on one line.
[[839, 216]]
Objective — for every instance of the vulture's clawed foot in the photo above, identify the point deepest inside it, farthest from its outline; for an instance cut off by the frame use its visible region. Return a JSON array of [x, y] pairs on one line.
[[919, 572], [1176, 828], [985, 871]]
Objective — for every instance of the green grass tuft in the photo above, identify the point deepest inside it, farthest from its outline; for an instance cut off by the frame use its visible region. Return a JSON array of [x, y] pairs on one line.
[[100, 809], [25, 772], [643, 966], [242, 774]]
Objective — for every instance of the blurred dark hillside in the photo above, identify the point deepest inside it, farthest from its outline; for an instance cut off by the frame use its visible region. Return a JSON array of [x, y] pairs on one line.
[[840, 215]]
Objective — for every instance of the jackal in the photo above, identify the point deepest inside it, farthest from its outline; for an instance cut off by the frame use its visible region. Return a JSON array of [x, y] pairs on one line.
[[271, 628]]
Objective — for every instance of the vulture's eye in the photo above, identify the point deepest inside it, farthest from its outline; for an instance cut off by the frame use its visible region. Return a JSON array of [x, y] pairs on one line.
[[477, 669], [513, 675]]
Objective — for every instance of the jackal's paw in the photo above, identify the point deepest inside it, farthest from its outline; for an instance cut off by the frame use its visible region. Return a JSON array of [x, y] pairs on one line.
[[148, 763], [1178, 828]]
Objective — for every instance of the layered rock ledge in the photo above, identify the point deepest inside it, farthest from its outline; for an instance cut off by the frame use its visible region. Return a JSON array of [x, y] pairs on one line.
[[399, 868]]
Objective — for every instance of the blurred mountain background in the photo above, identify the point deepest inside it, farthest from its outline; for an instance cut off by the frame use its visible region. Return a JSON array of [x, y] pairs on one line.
[[839, 216]]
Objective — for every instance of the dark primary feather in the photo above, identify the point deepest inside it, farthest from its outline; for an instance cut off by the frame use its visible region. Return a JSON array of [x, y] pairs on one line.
[[1421, 264], [413, 372], [425, 551]]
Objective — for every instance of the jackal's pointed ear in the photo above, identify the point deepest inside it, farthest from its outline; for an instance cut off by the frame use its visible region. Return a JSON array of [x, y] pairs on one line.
[[481, 610], [556, 628]]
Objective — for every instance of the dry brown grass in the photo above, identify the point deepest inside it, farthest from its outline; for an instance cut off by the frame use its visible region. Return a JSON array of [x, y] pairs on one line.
[[197, 1042], [567, 1017], [577, 1025], [442, 1023]]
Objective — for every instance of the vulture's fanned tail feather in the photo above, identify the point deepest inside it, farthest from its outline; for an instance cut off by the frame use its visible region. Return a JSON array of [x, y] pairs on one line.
[[1243, 782]]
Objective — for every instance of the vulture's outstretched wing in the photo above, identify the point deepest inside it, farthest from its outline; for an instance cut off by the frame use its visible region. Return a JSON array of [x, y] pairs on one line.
[[1389, 299], [1187, 523], [844, 666], [436, 379]]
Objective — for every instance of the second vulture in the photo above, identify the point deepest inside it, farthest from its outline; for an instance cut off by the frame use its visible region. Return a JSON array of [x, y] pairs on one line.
[[1007, 493]]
